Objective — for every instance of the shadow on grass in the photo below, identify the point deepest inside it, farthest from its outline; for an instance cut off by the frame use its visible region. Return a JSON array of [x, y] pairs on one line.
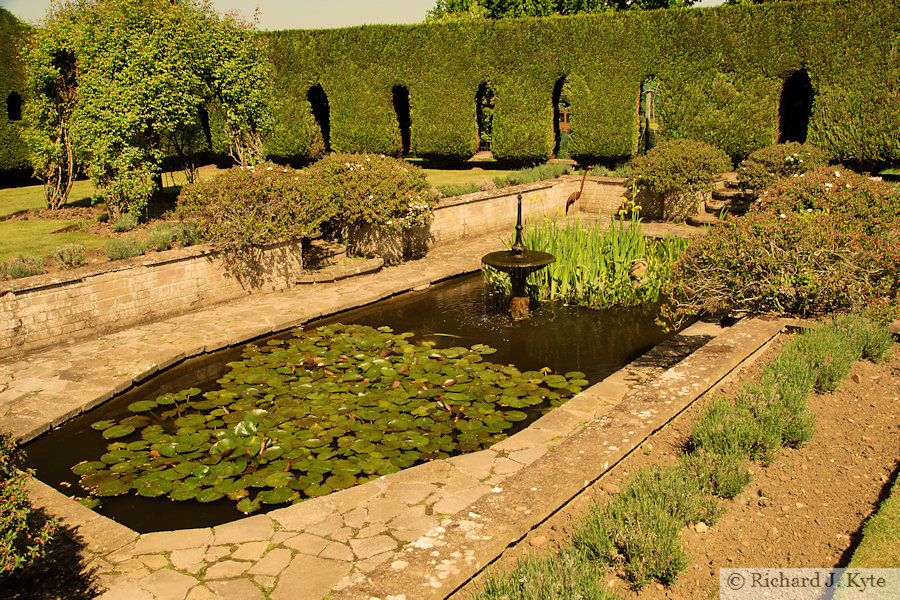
[[61, 574]]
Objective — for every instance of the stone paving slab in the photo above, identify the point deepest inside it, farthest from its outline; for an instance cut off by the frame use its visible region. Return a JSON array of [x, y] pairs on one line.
[[319, 546]]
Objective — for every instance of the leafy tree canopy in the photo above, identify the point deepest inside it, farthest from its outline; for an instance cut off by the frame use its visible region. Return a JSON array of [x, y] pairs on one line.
[[446, 10], [117, 85]]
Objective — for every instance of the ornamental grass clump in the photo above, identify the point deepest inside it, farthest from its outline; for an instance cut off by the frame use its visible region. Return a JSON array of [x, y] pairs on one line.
[[774, 163], [21, 265], [824, 241]]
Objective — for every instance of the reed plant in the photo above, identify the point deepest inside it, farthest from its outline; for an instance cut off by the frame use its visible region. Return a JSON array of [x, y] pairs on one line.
[[597, 266]]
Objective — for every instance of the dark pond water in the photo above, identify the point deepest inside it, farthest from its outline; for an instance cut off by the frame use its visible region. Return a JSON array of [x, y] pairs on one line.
[[458, 312]]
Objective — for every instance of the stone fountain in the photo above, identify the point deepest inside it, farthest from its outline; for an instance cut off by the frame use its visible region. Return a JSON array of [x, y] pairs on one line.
[[518, 262]]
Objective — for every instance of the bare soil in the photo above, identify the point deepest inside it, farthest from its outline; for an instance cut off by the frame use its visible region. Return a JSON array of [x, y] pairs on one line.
[[805, 509]]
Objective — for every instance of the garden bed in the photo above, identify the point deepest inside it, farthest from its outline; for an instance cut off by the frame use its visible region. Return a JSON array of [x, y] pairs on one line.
[[804, 509]]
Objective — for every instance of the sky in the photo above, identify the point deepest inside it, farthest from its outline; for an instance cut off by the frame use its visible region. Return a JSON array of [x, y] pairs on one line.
[[293, 14]]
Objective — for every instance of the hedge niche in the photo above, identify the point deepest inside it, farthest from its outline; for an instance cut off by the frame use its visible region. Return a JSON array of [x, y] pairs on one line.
[[727, 76], [14, 162]]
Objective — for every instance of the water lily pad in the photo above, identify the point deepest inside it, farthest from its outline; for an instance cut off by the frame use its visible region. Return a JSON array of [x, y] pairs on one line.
[[152, 485], [112, 487], [117, 431], [101, 425], [142, 405], [88, 467], [275, 496]]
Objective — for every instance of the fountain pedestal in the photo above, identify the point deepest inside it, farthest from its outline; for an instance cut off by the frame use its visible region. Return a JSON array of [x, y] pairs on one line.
[[518, 262]]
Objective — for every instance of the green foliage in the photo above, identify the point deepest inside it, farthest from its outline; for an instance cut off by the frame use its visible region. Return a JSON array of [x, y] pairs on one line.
[[679, 166], [564, 576], [455, 10], [323, 411], [269, 203], [144, 68], [821, 242], [720, 85], [125, 222], [256, 206], [13, 149], [773, 163], [123, 247], [640, 525], [22, 537], [21, 265], [374, 189], [597, 267], [186, 234], [160, 237], [532, 174], [457, 189], [69, 255]]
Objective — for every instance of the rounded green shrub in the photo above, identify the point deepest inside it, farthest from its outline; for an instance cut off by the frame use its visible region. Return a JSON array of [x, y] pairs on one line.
[[773, 163], [256, 206], [124, 247], [679, 166], [69, 255], [374, 189], [821, 242]]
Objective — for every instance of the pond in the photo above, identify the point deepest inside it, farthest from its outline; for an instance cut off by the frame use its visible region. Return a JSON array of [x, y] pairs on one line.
[[456, 315]]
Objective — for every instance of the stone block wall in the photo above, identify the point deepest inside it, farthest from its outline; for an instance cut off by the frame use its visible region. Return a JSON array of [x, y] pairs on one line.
[[46, 310]]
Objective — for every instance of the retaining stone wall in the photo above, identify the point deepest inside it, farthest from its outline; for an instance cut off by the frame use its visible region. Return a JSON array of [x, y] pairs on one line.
[[46, 310]]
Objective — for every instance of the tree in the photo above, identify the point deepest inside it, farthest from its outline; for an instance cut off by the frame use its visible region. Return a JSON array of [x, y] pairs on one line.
[[117, 85], [446, 10]]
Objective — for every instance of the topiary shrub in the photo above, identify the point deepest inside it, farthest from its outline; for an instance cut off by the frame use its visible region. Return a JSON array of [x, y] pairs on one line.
[[675, 176], [374, 189], [825, 241], [256, 206], [22, 537], [768, 165]]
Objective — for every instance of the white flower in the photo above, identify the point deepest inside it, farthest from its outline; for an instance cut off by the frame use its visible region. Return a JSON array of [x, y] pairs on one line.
[[847, 184], [829, 185], [371, 196], [783, 216], [268, 168], [837, 173], [808, 210]]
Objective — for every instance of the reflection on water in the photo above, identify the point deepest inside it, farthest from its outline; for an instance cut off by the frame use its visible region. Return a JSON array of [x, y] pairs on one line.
[[458, 312]]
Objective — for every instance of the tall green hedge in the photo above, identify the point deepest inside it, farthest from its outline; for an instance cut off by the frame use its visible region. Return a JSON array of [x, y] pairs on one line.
[[13, 151], [721, 72]]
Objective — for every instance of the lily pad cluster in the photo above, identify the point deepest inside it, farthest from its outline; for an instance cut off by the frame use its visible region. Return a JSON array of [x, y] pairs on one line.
[[323, 411]]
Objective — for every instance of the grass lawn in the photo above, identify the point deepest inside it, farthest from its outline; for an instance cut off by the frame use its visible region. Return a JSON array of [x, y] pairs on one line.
[[15, 199], [438, 177], [880, 546], [36, 238]]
